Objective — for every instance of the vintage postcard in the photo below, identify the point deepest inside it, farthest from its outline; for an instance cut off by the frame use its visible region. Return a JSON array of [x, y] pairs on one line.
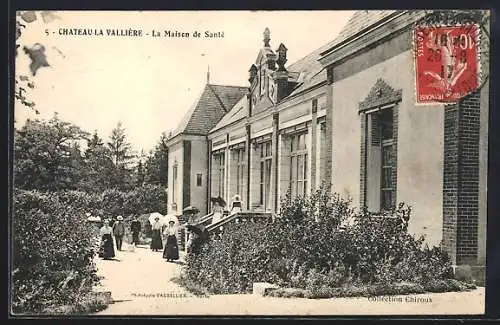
[[295, 163]]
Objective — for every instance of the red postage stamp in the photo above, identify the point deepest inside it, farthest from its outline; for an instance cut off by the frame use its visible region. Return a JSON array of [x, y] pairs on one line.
[[446, 62]]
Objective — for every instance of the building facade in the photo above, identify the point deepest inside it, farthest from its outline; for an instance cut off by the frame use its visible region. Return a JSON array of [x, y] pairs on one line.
[[346, 114], [188, 148]]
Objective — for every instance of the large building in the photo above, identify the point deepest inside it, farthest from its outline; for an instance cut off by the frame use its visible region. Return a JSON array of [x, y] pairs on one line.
[[345, 114], [188, 147]]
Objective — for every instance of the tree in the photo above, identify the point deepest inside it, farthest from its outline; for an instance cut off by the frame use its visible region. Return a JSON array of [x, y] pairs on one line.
[[46, 155], [157, 163], [78, 168], [140, 173], [121, 155], [99, 165]]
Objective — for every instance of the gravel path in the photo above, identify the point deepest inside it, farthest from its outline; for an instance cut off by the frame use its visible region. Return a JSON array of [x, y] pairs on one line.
[[140, 283]]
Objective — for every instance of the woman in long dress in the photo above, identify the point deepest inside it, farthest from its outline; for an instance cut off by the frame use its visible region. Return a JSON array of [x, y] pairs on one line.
[[156, 243], [171, 251], [107, 250], [218, 213]]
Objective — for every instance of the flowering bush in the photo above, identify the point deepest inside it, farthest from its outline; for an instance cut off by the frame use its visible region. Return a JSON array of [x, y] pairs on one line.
[[318, 242]]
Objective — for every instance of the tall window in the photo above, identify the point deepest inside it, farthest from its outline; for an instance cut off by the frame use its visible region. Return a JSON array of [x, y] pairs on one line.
[[240, 170], [322, 151], [387, 190], [298, 164], [174, 184], [265, 150], [221, 169]]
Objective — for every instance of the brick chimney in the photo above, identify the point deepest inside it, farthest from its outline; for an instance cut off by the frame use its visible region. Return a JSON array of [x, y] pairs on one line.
[[281, 75]]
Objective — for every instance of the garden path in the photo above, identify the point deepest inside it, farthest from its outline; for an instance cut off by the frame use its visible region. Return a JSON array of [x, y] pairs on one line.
[[140, 283]]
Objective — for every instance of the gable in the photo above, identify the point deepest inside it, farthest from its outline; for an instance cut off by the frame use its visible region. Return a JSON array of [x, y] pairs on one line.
[[380, 94]]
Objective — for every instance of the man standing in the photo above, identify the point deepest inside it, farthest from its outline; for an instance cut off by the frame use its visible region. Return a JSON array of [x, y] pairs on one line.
[[135, 228], [119, 232]]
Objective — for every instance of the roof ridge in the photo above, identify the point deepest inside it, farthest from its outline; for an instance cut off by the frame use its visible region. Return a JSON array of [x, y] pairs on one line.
[[218, 98], [233, 86]]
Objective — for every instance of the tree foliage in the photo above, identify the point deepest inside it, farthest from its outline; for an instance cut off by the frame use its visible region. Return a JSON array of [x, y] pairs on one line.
[[57, 155], [98, 165], [156, 166], [121, 155], [47, 156]]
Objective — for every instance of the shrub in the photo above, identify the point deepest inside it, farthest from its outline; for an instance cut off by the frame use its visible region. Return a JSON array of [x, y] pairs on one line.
[[53, 246], [89, 303], [287, 293], [52, 253], [369, 290], [191, 286], [319, 242]]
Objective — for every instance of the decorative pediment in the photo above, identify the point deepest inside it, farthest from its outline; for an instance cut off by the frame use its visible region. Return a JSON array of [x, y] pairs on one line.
[[380, 94]]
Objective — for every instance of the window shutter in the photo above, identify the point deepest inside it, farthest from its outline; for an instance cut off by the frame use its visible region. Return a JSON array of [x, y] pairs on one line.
[[375, 130]]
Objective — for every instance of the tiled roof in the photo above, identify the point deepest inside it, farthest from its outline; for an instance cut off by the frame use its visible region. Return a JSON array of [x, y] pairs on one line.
[[209, 108], [229, 95], [235, 114], [311, 71], [308, 71], [360, 21]]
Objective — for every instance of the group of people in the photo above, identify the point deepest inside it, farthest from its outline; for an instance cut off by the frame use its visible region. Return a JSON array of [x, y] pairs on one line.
[[114, 231], [171, 249], [164, 237]]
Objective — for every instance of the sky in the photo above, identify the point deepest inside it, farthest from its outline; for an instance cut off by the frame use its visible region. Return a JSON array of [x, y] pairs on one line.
[[149, 83]]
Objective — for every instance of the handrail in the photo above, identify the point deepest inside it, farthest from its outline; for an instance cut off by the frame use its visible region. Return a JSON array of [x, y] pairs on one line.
[[231, 217], [204, 218]]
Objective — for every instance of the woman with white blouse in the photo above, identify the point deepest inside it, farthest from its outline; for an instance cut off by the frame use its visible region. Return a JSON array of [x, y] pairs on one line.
[[171, 251], [107, 250]]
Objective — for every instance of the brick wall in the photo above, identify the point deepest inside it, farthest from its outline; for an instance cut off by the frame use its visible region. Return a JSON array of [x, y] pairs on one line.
[[362, 155], [395, 120], [461, 179]]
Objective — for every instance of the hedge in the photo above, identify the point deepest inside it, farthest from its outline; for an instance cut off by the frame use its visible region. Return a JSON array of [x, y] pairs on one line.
[[53, 246], [318, 241], [52, 253], [112, 202]]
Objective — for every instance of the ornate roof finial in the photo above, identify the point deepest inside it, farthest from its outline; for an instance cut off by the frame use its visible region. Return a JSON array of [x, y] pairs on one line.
[[281, 57], [267, 38]]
